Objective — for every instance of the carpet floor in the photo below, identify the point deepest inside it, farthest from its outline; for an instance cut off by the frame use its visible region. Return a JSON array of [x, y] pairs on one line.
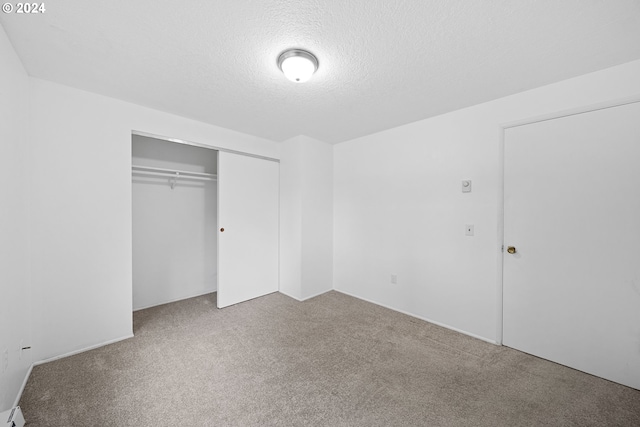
[[333, 360]]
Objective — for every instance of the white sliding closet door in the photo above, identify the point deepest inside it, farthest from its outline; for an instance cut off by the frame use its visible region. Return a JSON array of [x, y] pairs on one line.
[[248, 210]]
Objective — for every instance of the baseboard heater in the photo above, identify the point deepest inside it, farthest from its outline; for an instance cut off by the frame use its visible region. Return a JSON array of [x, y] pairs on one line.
[[12, 418]]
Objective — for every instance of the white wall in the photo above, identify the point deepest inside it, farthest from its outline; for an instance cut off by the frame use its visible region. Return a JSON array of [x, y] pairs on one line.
[[15, 316], [317, 217], [399, 208], [174, 229], [306, 217], [80, 166], [291, 218]]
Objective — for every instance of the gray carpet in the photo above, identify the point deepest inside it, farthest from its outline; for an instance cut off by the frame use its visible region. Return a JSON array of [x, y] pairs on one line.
[[331, 361]]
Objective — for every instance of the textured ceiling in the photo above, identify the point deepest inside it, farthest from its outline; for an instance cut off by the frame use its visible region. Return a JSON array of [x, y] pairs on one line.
[[383, 63]]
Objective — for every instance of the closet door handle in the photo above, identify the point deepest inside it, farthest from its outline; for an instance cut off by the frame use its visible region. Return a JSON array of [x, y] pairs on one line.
[[222, 230]]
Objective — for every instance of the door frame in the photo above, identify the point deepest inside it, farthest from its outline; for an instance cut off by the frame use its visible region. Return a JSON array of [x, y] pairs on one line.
[[501, 181]]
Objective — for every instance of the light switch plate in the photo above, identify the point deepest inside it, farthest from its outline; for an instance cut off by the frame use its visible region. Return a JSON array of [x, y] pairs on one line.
[[466, 186]]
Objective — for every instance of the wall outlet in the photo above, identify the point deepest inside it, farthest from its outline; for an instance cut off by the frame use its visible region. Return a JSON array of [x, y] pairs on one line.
[[5, 360], [394, 279]]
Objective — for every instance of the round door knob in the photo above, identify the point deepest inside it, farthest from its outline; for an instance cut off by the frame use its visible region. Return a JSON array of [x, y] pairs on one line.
[[511, 249], [222, 230]]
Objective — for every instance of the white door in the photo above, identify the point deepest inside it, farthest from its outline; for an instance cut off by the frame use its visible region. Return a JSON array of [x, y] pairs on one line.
[[571, 292], [248, 210]]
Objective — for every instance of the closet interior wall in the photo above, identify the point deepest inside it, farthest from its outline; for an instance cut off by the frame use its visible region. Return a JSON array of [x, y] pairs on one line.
[[174, 222]]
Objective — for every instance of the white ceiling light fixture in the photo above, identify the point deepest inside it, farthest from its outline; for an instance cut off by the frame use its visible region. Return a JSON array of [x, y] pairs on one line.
[[297, 65]]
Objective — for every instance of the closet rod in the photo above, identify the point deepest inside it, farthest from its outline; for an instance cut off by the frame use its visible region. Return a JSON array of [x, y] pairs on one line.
[[172, 173], [177, 175]]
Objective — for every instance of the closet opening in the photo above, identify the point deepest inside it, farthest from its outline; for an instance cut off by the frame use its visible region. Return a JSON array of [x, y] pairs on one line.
[[174, 220]]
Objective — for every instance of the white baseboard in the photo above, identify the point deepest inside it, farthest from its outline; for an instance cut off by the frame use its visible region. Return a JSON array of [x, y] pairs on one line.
[[82, 350], [208, 291], [421, 318], [289, 295], [305, 298], [316, 295], [24, 384], [51, 359]]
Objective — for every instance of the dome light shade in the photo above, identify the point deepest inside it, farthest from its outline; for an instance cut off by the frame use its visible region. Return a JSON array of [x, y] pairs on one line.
[[297, 65]]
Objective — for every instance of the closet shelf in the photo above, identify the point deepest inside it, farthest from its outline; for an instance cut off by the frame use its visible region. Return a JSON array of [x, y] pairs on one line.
[[173, 174]]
